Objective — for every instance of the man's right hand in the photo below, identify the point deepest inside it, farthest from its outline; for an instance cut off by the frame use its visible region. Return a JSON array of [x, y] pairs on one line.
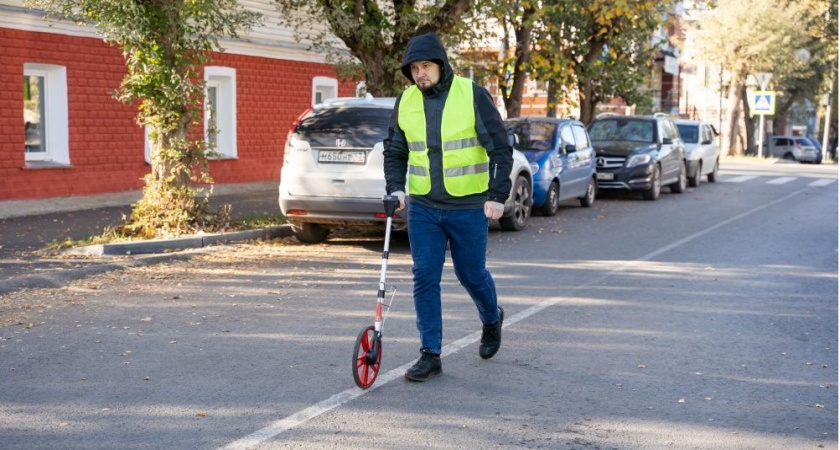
[[400, 195]]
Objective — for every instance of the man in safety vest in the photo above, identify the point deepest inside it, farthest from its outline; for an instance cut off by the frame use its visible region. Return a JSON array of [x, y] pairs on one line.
[[448, 135]]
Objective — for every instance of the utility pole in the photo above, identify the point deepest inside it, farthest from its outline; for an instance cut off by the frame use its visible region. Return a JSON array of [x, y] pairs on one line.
[[827, 125]]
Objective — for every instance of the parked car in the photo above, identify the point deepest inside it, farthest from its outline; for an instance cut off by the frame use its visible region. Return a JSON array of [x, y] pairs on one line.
[[702, 154], [793, 148], [332, 172], [638, 153], [816, 143], [562, 160]]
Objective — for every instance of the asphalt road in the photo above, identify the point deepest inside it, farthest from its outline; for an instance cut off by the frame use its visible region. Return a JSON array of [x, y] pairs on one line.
[[706, 320]]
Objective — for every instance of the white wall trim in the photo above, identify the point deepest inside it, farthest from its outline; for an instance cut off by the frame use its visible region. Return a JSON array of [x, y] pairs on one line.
[[280, 49]]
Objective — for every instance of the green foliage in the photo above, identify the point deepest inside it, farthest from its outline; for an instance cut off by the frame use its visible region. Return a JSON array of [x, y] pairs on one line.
[[165, 44], [369, 37], [770, 36], [603, 47]]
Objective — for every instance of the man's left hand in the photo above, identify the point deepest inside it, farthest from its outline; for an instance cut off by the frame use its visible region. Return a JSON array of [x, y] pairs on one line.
[[493, 210]]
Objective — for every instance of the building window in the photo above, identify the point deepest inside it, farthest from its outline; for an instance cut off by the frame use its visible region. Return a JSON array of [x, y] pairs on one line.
[[220, 110], [45, 114], [323, 88]]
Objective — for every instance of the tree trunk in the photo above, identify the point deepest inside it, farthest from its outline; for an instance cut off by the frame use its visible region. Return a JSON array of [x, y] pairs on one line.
[[587, 101], [551, 102], [780, 119], [749, 123], [730, 141], [380, 80], [522, 53]]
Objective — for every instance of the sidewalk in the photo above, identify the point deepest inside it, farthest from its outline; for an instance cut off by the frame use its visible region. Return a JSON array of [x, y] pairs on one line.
[[22, 208], [28, 226]]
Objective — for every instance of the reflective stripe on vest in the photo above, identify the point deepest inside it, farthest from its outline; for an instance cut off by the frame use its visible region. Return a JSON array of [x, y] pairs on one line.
[[465, 161]]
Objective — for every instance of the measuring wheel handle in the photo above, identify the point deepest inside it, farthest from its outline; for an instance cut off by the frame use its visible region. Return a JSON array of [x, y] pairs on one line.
[[391, 202]]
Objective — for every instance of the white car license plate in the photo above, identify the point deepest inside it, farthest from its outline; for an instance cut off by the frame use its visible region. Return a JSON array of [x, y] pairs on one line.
[[339, 156], [605, 176]]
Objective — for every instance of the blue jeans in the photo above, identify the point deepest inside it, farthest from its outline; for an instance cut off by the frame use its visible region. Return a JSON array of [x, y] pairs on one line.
[[466, 230]]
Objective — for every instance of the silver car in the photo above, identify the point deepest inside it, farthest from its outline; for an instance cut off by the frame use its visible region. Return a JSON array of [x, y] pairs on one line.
[[793, 148], [702, 154], [332, 172]]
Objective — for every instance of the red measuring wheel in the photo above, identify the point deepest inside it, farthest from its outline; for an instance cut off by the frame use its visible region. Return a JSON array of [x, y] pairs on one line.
[[367, 358]]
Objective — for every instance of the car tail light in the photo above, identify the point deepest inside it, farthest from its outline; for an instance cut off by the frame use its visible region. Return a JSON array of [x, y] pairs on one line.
[[383, 216], [288, 147], [296, 212]]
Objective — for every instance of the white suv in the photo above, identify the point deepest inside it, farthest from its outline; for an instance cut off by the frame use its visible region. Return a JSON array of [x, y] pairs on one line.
[[332, 172], [794, 148]]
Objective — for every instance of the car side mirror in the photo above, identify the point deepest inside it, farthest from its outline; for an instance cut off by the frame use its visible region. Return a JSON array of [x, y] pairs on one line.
[[667, 141], [570, 148], [513, 138]]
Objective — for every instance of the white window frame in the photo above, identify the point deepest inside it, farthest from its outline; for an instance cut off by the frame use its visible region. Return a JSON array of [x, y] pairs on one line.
[[324, 85], [55, 122], [147, 149], [224, 78]]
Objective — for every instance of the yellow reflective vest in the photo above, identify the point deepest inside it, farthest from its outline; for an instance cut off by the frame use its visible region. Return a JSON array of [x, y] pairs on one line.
[[465, 161]]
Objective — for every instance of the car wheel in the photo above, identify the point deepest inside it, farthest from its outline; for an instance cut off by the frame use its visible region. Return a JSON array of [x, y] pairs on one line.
[[656, 186], [521, 207], [789, 157], [552, 202], [679, 186], [695, 180], [713, 176], [589, 198], [310, 233]]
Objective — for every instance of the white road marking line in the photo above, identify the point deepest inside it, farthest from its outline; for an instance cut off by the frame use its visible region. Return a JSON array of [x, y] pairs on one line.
[[822, 182], [303, 416], [781, 180], [740, 179]]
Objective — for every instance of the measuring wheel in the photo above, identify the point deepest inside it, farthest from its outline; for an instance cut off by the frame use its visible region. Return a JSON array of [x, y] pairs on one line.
[[367, 358]]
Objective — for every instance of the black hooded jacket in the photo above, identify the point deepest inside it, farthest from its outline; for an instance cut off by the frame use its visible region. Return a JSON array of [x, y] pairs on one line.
[[488, 123]]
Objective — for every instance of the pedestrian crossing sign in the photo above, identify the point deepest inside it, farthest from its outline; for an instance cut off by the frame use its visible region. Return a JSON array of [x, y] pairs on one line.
[[763, 102]]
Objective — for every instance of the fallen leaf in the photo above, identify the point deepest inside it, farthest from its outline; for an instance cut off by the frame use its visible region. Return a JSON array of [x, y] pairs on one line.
[[202, 414]]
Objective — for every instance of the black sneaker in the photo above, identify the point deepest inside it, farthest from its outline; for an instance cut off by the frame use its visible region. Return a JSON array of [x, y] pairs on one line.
[[491, 337], [425, 367]]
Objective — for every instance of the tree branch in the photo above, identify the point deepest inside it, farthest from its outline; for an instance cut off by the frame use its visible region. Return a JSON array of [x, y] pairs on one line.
[[446, 17]]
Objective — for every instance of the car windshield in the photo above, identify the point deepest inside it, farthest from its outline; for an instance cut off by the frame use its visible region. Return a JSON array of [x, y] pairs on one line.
[[621, 130], [689, 133], [354, 127], [533, 136]]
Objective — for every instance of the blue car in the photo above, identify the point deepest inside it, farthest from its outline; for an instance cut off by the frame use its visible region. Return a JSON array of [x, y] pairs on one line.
[[562, 160]]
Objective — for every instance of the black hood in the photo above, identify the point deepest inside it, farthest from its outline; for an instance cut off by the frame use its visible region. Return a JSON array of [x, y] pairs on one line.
[[427, 47]]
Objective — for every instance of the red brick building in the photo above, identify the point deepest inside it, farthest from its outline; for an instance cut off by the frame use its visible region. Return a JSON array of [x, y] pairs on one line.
[[62, 133]]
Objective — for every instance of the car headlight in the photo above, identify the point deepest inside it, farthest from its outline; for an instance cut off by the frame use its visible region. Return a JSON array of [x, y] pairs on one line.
[[638, 160], [534, 168]]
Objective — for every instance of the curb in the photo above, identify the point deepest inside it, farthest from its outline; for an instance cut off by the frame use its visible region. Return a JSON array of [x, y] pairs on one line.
[[170, 245]]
